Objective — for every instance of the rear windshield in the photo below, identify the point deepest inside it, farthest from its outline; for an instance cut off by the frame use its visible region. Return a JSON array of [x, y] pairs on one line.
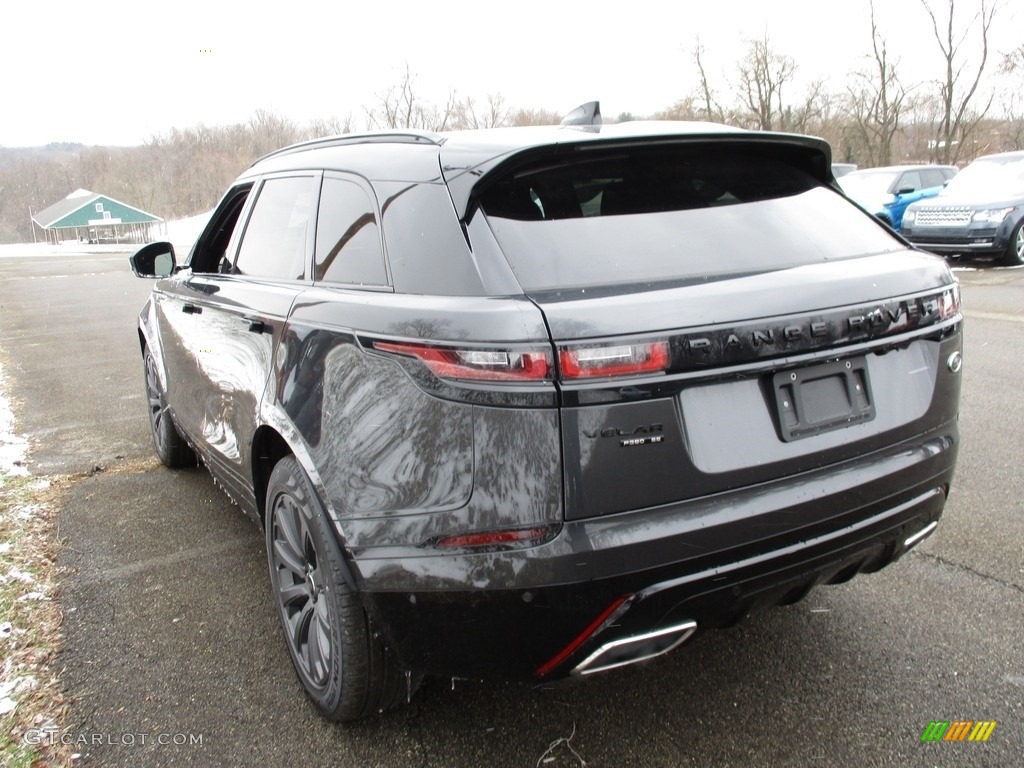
[[657, 214]]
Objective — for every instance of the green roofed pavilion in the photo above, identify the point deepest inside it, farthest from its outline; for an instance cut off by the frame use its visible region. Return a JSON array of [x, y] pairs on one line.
[[97, 218]]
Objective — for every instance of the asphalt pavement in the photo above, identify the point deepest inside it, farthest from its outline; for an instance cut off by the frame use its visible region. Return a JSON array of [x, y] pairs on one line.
[[173, 655]]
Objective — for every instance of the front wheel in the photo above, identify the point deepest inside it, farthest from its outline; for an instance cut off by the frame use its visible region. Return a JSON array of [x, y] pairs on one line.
[[345, 670], [170, 445], [1014, 256]]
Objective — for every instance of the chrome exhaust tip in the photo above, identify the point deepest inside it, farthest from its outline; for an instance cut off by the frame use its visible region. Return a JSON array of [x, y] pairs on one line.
[[630, 650], [920, 536]]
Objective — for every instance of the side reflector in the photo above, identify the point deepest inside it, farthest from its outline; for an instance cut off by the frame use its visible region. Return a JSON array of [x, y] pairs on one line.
[[476, 364], [606, 616], [495, 538], [621, 360]]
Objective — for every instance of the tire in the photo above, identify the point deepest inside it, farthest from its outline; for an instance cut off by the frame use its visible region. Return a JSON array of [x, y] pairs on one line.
[[1014, 255], [343, 667], [170, 446]]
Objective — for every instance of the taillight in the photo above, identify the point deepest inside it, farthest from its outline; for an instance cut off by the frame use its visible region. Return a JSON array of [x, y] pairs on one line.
[[618, 360], [476, 364], [511, 365]]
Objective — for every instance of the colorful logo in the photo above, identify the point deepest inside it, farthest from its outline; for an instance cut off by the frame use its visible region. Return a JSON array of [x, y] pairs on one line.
[[958, 730]]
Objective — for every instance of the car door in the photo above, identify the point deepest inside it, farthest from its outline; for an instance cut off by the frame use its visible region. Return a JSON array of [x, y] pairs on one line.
[[239, 301]]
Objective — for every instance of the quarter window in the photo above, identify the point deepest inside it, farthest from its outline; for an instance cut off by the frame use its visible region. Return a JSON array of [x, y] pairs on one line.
[[348, 246], [276, 237]]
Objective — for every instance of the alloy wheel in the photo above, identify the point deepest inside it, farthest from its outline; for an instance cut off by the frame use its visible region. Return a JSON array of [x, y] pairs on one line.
[[157, 410], [301, 587]]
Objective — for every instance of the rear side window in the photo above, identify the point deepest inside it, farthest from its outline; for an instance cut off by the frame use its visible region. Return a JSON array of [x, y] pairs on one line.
[[278, 232], [910, 180], [348, 246], [669, 213]]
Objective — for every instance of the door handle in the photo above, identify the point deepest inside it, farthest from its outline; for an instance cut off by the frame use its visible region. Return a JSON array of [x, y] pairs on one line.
[[258, 326], [191, 309]]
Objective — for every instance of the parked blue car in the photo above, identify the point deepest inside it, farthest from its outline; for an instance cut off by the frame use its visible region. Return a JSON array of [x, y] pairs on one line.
[[886, 192]]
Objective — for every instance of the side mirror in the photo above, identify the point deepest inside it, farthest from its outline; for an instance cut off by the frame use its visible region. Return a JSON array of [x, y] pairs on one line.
[[154, 260], [905, 190]]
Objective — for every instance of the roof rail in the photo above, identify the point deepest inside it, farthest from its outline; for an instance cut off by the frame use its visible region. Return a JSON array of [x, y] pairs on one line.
[[379, 137]]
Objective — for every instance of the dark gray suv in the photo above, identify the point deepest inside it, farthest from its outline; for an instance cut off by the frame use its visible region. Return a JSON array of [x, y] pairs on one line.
[[979, 213], [546, 401]]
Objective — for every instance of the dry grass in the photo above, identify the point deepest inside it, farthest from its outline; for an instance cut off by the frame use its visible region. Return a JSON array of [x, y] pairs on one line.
[[30, 624]]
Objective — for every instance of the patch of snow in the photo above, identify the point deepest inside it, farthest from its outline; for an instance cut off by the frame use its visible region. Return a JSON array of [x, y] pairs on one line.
[[182, 233], [10, 688], [12, 447], [65, 248], [15, 575], [26, 512]]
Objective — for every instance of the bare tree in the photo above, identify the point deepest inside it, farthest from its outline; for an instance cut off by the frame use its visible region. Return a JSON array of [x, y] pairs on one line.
[[328, 126], [876, 100], [1013, 61], [812, 114], [959, 86], [400, 106], [268, 131], [684, 109], [468, 114], [534, 116], [763, 73], [709, 108], [1013, 108]]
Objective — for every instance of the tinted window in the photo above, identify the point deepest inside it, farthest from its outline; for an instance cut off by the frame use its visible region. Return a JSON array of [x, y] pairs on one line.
[[427, 251], [932, 177], [277, 234], [909, 180], [638, 216], [347, 236]]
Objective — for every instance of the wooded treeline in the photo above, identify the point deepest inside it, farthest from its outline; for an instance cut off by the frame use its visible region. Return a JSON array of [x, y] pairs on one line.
[[973, 106]]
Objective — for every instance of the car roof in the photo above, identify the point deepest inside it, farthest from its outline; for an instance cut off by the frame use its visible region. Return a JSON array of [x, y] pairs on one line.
[[461, 158], [494, 141], [474, 147], [900, 168], [1017, 154]]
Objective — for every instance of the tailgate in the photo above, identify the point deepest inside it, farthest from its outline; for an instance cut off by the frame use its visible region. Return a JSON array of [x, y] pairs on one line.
[[767, 395]]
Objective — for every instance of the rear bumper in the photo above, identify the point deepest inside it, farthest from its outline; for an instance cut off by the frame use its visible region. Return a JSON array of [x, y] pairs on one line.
[[540, 612]]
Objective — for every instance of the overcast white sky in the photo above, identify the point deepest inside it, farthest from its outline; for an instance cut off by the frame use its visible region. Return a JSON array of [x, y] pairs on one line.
[[120, 71]]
